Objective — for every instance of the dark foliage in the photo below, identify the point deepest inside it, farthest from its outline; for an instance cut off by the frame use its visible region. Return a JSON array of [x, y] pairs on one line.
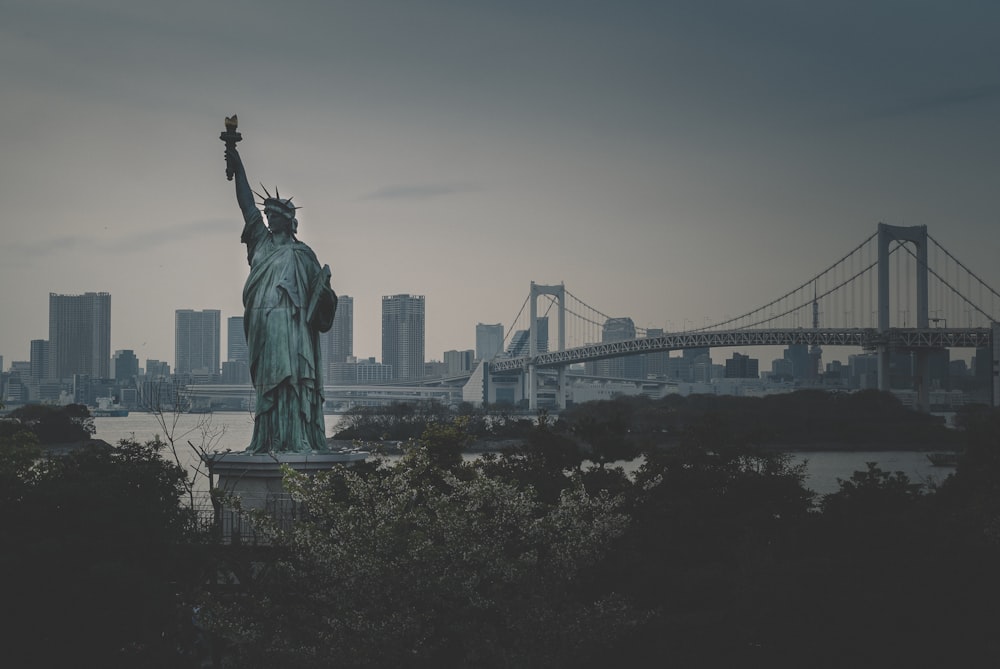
[[51, 424], [803, 419], [95, 553]]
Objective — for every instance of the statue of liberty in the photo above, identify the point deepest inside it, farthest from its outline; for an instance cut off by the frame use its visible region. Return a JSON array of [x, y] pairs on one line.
[[288, 302]]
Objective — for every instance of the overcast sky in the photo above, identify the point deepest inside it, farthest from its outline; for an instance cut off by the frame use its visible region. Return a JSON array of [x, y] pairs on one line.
[[666, 160]]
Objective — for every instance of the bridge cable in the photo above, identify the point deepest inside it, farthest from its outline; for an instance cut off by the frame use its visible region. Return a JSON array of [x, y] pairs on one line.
[[818, 297], [790, 293], [957, 291], [596, 311], [960, 264], [510, 328]]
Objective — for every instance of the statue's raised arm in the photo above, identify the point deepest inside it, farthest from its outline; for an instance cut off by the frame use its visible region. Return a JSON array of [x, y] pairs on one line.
[[244, 196], [236, 171]]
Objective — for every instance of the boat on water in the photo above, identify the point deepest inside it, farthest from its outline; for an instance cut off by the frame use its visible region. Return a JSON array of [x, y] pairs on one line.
[[106, 407], [943, 459], [109, 413]]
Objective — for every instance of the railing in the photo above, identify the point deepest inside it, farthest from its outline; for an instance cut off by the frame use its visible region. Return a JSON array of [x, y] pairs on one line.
[[247, 524]]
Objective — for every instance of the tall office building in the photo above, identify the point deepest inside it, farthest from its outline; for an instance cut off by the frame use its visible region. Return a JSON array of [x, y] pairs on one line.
[[520, 341], [236, 341], [403, 336], [157, 369], [337, 344], [742, 366], [126, 366], [39, 359], [489, 340], [628, 367], [656, 363], [458, 362], [196, 341], [79, 335]]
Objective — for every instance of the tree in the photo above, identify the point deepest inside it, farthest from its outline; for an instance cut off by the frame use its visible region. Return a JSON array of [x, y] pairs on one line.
[[414, 565], [56, 424], [94, 546]]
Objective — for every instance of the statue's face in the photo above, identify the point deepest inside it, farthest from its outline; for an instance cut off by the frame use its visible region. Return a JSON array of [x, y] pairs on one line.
[[278, 222]]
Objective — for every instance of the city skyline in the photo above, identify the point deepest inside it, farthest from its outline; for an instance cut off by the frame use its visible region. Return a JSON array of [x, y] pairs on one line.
[[670, 163]]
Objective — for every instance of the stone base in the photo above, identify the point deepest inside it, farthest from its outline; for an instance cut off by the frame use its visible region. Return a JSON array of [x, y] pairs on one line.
[[257, 480]]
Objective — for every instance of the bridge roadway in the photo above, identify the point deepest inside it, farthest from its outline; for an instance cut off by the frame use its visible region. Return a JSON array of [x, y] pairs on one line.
[[866, 338]]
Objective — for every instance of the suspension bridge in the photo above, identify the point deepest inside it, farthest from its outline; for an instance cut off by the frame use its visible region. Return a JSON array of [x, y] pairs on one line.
[[898, 290]]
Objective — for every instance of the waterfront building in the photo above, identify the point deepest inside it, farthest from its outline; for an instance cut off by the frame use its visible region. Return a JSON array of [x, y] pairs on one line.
[[435, 369], [39, 360], [236, 341], [126, 367], [157, 369], [458, 362], [782, 370], [489, 341], [801, 362], [337, 344], [197, 341], [520, 340], [656, 363], [370, 372], [79, 335], [235, 373], [403, 336], [15, 390], [742, 366], [630, 367]]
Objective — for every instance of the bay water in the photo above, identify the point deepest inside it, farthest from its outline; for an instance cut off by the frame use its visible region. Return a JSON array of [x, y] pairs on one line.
[[232, 430]]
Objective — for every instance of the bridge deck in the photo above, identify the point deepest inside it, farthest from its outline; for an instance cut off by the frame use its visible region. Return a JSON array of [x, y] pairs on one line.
[[866, 338]]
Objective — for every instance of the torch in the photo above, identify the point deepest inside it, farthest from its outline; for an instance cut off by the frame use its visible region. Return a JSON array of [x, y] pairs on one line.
[[230, 137]]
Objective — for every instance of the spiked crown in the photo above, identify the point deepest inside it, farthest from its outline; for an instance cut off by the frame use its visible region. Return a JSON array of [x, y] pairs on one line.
[[277, 204]]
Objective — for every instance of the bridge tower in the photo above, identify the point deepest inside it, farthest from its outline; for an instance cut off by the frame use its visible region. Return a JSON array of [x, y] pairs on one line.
[[917, 235], [559, 292]]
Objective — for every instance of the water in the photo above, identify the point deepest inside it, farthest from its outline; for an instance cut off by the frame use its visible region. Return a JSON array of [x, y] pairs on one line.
[[823, 468], [221, 430], [215, 431]]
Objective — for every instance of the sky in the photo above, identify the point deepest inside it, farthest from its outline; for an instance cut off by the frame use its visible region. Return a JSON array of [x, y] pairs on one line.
[[668, 161]]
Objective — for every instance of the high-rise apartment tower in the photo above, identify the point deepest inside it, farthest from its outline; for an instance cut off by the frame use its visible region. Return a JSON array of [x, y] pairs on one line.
[[489, 340], [196, 341], [337, 344], [403, 336], [79, 335]]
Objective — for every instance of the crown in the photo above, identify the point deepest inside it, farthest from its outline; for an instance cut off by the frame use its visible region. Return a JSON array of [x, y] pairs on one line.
[[276, 203]]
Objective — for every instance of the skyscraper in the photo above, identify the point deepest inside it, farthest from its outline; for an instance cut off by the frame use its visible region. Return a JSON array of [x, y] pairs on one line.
[[656, 363], [403, 336], [629, 367], [126, 366], [520, 341], [196, 341], [39, 359], [338, 343], [236, 341], [79, 335], [489, 340]]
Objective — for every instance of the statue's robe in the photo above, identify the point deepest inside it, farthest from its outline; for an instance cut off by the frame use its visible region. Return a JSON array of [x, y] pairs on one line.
[[288, 302]]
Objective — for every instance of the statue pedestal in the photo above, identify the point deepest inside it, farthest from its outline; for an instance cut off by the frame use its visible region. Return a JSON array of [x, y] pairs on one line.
[[256, 482]]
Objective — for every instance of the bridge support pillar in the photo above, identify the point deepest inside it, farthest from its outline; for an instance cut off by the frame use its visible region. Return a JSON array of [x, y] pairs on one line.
[[532, 387], [561, 393], [917, 235], [559, 292], [883, 367], [922, 372]]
